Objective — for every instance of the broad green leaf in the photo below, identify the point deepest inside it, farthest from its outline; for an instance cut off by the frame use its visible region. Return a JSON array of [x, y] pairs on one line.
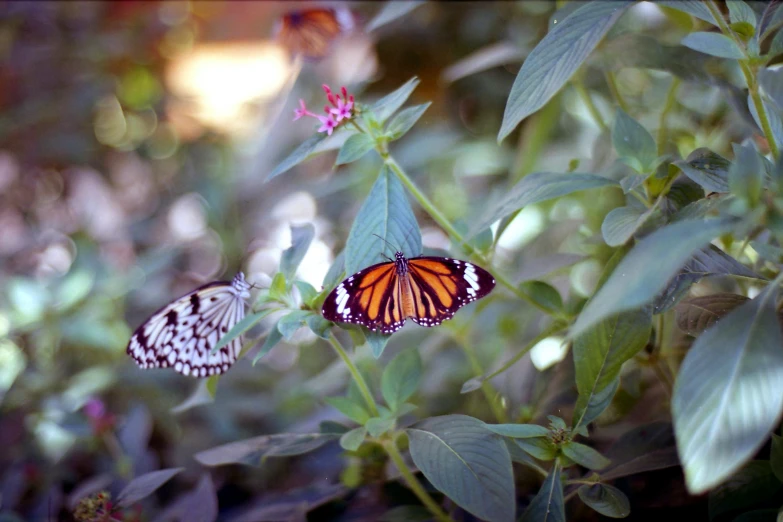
[[631, 140], [776, 456], [241, 327], [729, 392], [251, 451], [354, 148], [401, 378], [557, 422], [377, 426], [535, 188], [544, 295], [485, 58], [519, 431], [771, 80], [584, 455], [144, 485], [714, 44], [746, 175], [376, 341], [695, 315], [768, 252], [277, 288], [390, 12], [739, 12], [692, 7], [386, 213], [300, 154], [548, 504], [708, 169], [637, 280], [306, 291], [605, 499], [638, 51], [349, 408], [773, 115], [389, 104], [200, 504], [600, 353], [289, 324], [405, 120], [589, 407], [272, 338], [336, 272], [556, 58], [301, 237], [467, 463], [318, 325], [644, 448], [351, 440], [538, 447], [771, 19], [750, 487], [621, 223], [776, 47]]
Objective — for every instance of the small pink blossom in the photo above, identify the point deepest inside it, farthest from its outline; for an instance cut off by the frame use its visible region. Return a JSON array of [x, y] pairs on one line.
[[341, 109], [328, 124], [301, 111]]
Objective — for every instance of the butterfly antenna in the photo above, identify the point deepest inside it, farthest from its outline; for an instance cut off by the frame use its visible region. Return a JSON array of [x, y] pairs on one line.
[[390, 245]]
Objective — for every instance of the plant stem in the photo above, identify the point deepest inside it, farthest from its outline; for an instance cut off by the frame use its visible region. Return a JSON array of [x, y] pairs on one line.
[[610, 80], [671, 99], [486, 387], [580, 89], [357, 376], [750, 78], [391, 449]]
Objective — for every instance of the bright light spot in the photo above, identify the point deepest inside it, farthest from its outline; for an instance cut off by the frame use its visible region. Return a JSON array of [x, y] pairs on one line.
[[55, 259], [584, 277], [523, 229], [299, 206], [548, 352], [223, 78], [315, 263], [12, 360], [186, 217]]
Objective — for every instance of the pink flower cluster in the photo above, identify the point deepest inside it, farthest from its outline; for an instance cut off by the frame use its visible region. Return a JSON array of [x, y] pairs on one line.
[[341, 109]]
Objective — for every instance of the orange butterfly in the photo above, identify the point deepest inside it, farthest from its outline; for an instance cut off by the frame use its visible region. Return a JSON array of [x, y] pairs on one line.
[[310, 32], [428, 290]]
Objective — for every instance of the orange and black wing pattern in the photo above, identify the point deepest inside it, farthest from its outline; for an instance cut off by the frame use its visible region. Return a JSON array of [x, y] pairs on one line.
[[428, 290], [310, 32]]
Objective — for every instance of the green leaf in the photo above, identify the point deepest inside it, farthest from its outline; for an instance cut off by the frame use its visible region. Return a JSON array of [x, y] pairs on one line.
[[405, 120], [389, 104], [605, 499], [401, 378], [318, 325], [746, 175], [467, 463], [556, 58], [750, 487], [406, 513], [695, 8], [739, 12], [773, 116], [377, 426], [771, 253], [144, 485], [277, 288], [251, 451], [336, 272], [695, 315], [307, 292], [301, 237], [272, 338], [535, 188], [771, 19], [708, 169], [390, 12], [633, 50], [621, 223], [631, 140], [349, 408], [300, 154], [729, 392], [519, 431], [644, 448], [776, 46], [386, 213], [776, 456], [538, 447], [351, 440], [377, 342], [636, 280], [714, 44], [544, 295], [556, 422], [354, 148], [584, 455], [600, 353], [548, 504], [211, 385], [289, 324], [589, 406], [238, 329]]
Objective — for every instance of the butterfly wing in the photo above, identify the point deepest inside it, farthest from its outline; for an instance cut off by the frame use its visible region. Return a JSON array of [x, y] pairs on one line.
[[371, 297], [182, 334], [440, 286], [311, 31]]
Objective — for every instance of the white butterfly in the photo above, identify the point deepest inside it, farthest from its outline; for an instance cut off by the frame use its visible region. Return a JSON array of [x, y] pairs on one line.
[[181, 335]]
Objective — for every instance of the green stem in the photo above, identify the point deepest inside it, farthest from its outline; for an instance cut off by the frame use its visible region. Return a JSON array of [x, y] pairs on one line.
[[610, 80], [357, 377], [750, 78], [441, 220], [391, 449], [671, 99], [580, 89], [486, 388]]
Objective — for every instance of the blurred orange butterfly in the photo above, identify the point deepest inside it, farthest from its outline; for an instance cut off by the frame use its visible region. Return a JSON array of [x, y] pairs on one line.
[[427, 289], [310, 32]]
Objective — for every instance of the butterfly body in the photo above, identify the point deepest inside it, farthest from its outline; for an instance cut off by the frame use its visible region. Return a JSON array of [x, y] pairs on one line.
[[426, 289], [181, 334]]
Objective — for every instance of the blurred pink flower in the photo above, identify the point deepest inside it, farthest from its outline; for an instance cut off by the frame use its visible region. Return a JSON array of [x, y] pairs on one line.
[[328, 124], [341, 109]]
